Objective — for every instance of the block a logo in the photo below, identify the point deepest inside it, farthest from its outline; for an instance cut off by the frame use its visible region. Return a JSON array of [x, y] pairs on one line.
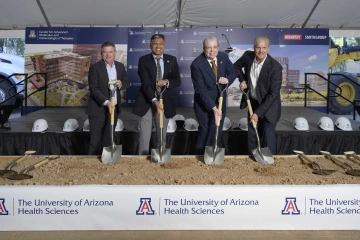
[[3, 210], [145, 207], [290, 207]]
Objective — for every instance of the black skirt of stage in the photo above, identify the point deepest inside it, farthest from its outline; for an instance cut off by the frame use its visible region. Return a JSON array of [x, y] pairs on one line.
[[20, 138]]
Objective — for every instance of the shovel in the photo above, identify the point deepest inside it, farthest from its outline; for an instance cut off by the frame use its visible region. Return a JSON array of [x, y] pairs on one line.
[[24, 175], [319, 170], [112, 153], [214, 154], [352, 154], [352, 171], [8, 170], [161, 155], [262, 155]]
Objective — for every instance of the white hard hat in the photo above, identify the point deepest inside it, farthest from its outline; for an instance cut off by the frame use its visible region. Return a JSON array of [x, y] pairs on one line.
[[191, 124], [301, 124], [70, 125], [227, 124], [86, 127], [343, 123], [179, 119], [40, 125], [119, 125], [171, 127], [326, 124], [243, 124]]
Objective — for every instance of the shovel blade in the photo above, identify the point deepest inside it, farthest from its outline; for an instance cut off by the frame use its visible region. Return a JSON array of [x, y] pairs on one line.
[[156, 157], [263, 155], [110, 156], [212, 157]]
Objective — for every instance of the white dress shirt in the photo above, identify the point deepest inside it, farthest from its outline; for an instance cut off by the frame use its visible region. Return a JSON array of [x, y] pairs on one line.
[[254, 75]]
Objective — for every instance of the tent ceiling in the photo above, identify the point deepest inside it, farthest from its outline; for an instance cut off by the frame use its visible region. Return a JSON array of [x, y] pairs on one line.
[[331, 14]]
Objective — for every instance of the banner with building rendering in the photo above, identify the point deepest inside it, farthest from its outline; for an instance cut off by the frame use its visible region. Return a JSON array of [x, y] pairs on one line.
[[66, 54]]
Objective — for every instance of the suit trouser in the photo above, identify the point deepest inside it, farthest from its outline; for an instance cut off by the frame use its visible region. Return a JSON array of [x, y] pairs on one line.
[[100, 132], [146, 123], [266, 131], [207, 130]]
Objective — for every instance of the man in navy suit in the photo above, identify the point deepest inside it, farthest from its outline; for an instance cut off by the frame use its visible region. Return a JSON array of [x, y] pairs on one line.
[[99, 105], [263, 74], [208, 70], [156, 70]]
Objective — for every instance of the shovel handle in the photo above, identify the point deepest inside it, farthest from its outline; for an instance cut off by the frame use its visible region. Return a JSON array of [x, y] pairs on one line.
[[36, 165], [21, 159], [112, 82], [251, 112], [217, 122], [112, 111], [161, 114], [306, 158], [336, 159]]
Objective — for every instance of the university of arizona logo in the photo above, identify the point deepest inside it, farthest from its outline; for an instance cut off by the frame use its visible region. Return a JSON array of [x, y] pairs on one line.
[[145, 207], [3, 210], [290, 207]]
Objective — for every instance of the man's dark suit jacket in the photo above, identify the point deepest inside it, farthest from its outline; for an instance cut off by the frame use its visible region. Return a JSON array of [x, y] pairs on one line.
[[206, 91], [147, 74], [99, 88], [267, 88]]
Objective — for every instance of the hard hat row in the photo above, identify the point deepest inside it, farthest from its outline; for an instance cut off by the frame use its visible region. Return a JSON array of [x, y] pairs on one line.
[[324, 123]]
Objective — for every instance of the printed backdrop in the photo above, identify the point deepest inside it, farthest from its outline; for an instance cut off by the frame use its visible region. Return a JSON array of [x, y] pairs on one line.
[[66, 54]]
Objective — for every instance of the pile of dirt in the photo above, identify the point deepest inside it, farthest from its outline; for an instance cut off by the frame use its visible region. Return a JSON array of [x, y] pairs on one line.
[[183, 170]]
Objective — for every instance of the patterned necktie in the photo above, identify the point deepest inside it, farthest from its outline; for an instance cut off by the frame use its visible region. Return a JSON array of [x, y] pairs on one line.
[[158, 72], [214, 68]]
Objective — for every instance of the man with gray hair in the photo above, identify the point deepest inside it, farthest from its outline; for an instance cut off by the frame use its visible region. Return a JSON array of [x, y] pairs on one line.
[[263, 78], [208, 71]]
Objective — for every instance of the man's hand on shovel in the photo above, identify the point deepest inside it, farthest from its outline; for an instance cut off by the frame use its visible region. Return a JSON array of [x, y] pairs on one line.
[[254, 118], [110, 106], [217, 113], [159, 107]]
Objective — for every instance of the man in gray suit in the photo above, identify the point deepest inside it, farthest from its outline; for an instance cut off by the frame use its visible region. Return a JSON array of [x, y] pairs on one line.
[[263, 74], [156, 70]]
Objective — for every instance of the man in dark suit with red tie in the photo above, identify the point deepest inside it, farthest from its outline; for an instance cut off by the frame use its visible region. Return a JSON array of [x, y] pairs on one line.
[[208, 70], [99, 105], [263, 77], [156, 70]]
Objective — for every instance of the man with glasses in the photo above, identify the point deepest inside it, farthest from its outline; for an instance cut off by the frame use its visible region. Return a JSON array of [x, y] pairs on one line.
[[208, 71], [156, 71]]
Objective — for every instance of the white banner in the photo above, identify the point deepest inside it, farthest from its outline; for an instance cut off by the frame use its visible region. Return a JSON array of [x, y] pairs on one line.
[[95, 207]]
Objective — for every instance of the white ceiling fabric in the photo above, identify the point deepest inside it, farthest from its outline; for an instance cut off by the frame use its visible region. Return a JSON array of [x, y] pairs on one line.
[[333, 14]]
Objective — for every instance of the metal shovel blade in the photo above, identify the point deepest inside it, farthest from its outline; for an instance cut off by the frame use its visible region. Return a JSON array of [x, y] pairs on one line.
[[323, 171], [213, 156], [110, 155], [263, 155], [7, 172], [160, 157], [354, 172], [19, 176]]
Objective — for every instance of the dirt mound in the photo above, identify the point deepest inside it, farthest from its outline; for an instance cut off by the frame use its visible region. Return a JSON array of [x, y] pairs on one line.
[[182, 170]]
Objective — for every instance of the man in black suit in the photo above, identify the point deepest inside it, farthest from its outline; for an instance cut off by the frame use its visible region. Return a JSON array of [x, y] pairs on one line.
[[208, 70], [156, 70], [99, 105], [263, 75]]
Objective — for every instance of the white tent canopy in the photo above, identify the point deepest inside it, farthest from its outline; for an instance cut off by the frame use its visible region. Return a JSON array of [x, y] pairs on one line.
[[333, 14]]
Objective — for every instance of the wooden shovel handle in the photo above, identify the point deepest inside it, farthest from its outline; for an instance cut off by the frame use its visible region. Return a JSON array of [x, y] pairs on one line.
[[306, 158], [112, 111], [217, 122], [251, 112], [161, 114], [336, 159], [21, 159], [41, 163], [112, 82]]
